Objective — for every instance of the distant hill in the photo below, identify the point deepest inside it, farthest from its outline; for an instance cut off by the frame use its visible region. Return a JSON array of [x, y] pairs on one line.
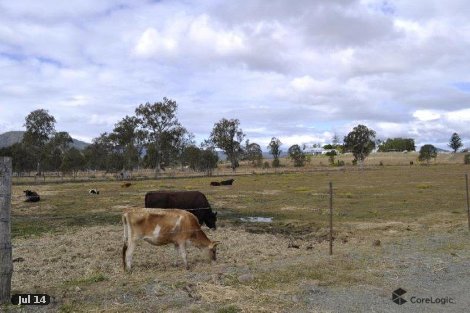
[[10, 138]]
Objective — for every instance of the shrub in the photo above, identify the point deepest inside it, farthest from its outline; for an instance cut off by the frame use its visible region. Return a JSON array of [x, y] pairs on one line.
[[466, 159], [266, 164], [276, 163]]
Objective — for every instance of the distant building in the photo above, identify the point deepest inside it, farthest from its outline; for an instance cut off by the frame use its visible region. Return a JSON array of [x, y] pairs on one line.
[[321, 151]]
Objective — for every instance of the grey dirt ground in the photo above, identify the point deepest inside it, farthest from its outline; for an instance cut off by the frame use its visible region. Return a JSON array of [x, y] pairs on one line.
[[425, 267]]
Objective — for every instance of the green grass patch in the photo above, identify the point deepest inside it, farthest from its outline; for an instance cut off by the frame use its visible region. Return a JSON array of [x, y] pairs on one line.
[[424, 186], [229, 309], [95, 278]]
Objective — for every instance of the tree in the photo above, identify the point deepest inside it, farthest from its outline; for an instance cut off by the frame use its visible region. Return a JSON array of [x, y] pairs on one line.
[[360, 141], [274, 149], [331, 156], [455, 142], [427, 152], [397, 144], [335, 141], [103, 154], [202, 159], [55, 149], [158, 120], [227, 136], [73, 161], [129, 138], [173, 145], [23, 159], [253, 153], [40, 125], [208, 161], [297, 155], [191, 157]]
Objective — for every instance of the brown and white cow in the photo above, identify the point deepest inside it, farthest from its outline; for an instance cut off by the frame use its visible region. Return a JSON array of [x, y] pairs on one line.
[[161, 227]]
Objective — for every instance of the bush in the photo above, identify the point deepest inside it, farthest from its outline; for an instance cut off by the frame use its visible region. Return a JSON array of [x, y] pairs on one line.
[[381, 163], [466, 159], [276, 163], [354, 162], [266, 164], [340, 163]]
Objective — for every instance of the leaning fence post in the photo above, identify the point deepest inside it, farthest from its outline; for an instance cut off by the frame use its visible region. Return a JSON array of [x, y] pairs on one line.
[[331, 218], [468, 203], [6, 265]]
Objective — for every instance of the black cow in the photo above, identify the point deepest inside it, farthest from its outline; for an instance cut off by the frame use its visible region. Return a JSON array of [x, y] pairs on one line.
[[227, 182], [192, 201], [31, 196], [215, 183]]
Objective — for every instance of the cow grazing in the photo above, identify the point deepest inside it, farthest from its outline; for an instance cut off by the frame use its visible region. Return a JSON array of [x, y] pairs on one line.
[[94, 191], [126, 185], [215, 183], [227, 182], [192, 201], [161, 227], [31, 196]]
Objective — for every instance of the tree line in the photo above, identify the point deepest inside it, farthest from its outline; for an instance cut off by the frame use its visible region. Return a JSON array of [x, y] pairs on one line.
[[154, 138]]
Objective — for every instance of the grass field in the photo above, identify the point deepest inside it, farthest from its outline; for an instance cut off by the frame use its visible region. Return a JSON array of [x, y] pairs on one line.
[[71, 242]]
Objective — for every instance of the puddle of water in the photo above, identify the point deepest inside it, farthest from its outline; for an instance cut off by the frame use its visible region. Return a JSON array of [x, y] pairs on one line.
[[256, 219]]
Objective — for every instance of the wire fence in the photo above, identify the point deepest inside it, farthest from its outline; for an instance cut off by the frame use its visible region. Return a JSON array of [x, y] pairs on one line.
[[427, 180]]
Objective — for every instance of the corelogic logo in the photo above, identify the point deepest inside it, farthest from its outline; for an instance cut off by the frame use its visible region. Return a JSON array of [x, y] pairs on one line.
[[396, 296]]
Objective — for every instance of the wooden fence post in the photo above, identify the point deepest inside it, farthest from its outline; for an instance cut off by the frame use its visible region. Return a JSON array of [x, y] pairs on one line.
[[6, 265], [331, 218], [468, 203]]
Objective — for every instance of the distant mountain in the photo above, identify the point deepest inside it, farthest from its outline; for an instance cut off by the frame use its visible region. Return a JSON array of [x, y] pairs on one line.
[[439, 150], [10, 138]]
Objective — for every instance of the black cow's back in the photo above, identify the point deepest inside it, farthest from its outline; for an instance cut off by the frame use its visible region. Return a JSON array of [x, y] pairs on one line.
[[176, 199], [192, 201]]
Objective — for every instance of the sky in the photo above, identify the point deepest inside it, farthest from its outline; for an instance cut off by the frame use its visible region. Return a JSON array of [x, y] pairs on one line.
[[301, 70]]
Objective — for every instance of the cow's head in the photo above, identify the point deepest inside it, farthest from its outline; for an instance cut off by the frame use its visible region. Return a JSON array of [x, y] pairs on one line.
[[28, 192], [210, 218], [212, 248]]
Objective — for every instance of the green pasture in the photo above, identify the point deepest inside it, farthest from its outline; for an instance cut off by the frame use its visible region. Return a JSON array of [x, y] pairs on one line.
[[297, 202]]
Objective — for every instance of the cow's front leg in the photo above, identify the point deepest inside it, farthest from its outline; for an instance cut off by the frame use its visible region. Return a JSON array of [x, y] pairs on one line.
[[182, 248], [128, 254]]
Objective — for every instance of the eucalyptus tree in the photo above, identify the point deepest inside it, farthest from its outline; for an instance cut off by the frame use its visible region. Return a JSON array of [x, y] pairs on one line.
[[274, 148], [158, 122], [360, 141], [297, 155], [253, 153], [129, 140], [227, 136], [40, 126]]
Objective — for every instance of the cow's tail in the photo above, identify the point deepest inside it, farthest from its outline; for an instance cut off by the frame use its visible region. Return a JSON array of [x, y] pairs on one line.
[[126, 238]]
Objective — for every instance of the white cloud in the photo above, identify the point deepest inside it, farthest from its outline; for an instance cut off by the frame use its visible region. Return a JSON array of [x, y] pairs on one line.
[[427, 115], [152, 43], [459, 115], [287, 69]]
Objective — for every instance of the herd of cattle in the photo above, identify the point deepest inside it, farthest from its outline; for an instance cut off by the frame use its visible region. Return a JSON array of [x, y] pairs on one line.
[[169, 217]]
